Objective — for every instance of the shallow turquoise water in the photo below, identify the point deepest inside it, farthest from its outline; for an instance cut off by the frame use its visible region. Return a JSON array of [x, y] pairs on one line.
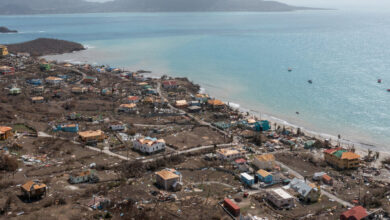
[[243, 58]]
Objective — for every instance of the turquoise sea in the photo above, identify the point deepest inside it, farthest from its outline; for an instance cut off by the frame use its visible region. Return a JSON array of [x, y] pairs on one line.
[[243, 58]]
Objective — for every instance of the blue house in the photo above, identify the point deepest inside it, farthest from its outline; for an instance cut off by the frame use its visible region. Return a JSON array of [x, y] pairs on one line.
[[247, 179], [262, 126], [67, 128], [264, 176], [35, 82]]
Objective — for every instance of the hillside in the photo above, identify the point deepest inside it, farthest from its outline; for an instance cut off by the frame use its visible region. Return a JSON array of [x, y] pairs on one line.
[[81, 6], [45, 46]]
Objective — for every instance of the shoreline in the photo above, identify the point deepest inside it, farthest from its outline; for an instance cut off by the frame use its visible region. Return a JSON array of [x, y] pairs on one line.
[[360, 147]]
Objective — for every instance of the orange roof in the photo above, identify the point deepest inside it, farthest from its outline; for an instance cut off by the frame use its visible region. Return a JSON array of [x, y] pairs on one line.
[[87, 134], [266, 157], [349, 156], [181, 102], [215, 102], [85, 173], [263, 173], [332, 150], [326, 177], [37, 98], [167, 174], [33, 185], [4, 129], [53, 78], [132, 105]]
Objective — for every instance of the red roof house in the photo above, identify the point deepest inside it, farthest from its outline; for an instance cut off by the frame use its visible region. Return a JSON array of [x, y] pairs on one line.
[[355, 213]]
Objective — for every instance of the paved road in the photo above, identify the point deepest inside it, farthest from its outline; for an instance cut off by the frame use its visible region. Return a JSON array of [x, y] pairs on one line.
[[74, 70]]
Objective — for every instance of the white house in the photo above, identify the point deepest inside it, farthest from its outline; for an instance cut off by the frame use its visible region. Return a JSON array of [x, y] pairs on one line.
[[149, 145], [280, 198], [117, 127]]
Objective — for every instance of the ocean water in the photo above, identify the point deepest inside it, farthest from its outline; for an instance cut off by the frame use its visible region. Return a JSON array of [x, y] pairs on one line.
[[243, 58]]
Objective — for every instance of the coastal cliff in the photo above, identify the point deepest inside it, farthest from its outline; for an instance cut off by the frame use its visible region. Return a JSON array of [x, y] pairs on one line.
[[6, 30], [45, 46]]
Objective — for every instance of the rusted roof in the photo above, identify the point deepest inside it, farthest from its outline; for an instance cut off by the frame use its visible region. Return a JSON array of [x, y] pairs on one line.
[[87, 134], [332, 150], [132, 105], [4, 129], [357, 212], [215, 102], [167, 174], [326, 177], [52, 78], [37, 98], [33, 185], [349, 156]]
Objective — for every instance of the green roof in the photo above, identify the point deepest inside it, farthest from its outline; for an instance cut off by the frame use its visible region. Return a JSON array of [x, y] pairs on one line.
[[339, 153]]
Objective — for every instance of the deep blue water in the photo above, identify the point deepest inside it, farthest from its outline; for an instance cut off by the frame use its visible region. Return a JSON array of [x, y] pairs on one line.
[[244, 57]]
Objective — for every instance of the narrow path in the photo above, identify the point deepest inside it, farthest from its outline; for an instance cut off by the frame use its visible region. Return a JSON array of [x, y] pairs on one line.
[[214, 182], [329, 195]]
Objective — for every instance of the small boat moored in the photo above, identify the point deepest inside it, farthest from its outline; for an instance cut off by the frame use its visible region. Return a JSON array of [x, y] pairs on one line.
[[289, 69], [379, 80], [310, 81], [388, 90]]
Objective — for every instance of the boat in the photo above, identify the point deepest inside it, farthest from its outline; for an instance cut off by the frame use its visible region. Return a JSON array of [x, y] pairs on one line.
[[289, 69], [310, 81], [388, 90], [379, 80]]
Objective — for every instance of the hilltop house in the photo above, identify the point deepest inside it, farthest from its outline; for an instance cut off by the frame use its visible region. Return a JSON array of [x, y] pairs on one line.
[[133, 99], [280, 198], [37, 99], [33, 189], [79, 90], [202, 98], [54, 80], [169, 84], [83, 177], [149, 145], [3, 50], [92, 136], [230, 154], [5, 132], [264, 161], [15, 91], [247, 179], [181, 103], [169, 179], [215, 104], [7, 70], [128, 108], [67, 128], [35, 82], [264, 176], [341, 158], [89, 80], [306, 192], [98, 202]]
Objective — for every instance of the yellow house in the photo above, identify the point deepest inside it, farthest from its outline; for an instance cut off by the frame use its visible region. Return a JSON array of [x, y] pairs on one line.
[[5, 132], [341, 158], [3, 50]]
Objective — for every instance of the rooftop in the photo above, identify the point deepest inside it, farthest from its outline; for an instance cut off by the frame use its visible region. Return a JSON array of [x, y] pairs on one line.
[[167, 174], [4, 129], [87, 134], [263, 173], [33, 185], [281, 193]]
